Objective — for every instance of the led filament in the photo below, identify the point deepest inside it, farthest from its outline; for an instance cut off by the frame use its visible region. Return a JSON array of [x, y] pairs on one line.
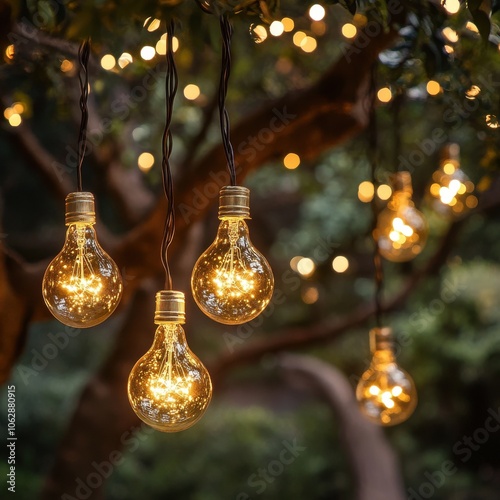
[[82, 285], [386, 393], [169, 388], [232, 282], [401, 230], [451, 189]]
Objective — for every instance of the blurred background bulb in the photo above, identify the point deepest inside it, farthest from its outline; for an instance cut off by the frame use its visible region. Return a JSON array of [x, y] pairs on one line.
[[232, 282], [82, 285], [169, 388], [451, 191], [386, 393], [401, 230]]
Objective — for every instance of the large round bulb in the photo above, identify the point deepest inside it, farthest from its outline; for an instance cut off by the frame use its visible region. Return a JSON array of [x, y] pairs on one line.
[[169, 388], [82, 285], [232, 282], [386, 393], [401, 229]]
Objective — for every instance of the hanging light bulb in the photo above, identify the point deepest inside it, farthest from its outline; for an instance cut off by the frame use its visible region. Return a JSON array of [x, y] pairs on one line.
[[386, 394], [82, 285], [451, 192], [169, 388], [401, 229], [232, 282]]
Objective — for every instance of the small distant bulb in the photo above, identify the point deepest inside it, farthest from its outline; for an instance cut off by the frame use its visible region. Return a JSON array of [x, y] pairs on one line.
[[148, 52], [192, 92], [276, 28], [108, 62], [308, 44], [145, 161], [317, 12], [298, 37], [288, 24], [340, 264], [306, 266], [433, 87], [349, 30], [451, 6], [384, 94], [291, 161]]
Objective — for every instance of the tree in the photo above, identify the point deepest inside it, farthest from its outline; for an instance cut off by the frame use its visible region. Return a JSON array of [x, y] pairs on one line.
[[318, 101]]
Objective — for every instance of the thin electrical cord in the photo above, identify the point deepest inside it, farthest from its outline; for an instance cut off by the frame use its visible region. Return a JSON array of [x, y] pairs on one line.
[[373, 157], [227, 32], [171, 84], [83, 77]]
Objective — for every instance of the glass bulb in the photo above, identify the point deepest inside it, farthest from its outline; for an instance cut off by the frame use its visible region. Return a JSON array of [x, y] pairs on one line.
[[232, 282], [386, 393], [82, 285], [451, 191], [169, 388], [401, 229]]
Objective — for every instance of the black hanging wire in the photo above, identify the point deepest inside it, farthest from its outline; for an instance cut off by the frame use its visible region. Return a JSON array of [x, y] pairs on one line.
[[227, 32], [373, 158], [171, 84], [83, 76]]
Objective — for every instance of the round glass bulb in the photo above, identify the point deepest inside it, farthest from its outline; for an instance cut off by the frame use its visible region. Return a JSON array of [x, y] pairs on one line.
[[386, 393], [82, 285], [232, 282], [401, 230], [169, 388]]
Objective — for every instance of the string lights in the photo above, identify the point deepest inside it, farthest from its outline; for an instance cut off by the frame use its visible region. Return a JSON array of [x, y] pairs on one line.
[[386, 394], [169, 388], [82, 285], [232, 282]]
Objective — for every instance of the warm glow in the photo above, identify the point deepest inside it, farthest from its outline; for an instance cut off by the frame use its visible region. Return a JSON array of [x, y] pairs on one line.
[[471, 201], [66, 66], [291, 161], [288, 24], [169, 388], [366, 191], [276, 28], [82, 285], [148, 52], [451, 6], [473, 92], [448, 168], [125, 59], [191, 92], [18, 107], [294, 262], [145, 161], [308, 44], [317, 12], [15, 120], [318, 27], [306, 267], [161, 45], [310, 295], [298, 37], [232, 282], [433, 87], [349, 30], [259, 33], [492, 121], [340, 264], [384, 191], [153, 25], [108, 62], [472, 27], [450, 34], [384, 94], [10, 52]]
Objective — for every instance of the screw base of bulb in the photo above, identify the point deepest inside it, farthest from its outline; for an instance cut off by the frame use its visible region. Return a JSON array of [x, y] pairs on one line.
[[170, 307], [234, 201], [381, 339], [80, 207]]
